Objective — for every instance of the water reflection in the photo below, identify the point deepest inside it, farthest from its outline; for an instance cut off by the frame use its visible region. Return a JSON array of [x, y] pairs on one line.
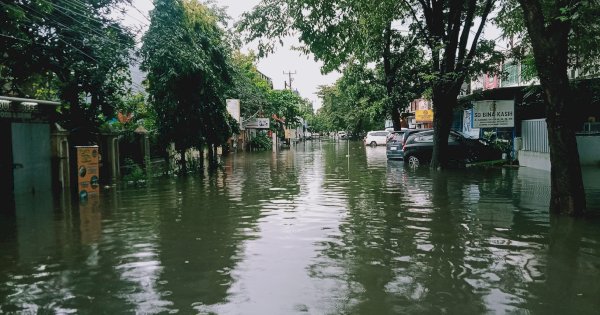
[[322, 228]]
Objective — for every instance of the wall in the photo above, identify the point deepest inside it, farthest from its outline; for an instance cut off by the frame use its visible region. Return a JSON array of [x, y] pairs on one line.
[[589, 149], [589, 154]]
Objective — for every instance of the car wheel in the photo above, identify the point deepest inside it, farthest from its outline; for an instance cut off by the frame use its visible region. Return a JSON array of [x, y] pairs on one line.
[[413, 161], [373, 143]]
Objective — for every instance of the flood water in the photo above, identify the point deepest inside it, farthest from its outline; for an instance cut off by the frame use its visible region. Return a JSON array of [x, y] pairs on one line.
[[322, 228]]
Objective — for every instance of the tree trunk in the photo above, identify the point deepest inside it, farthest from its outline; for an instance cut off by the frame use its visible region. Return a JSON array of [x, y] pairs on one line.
[[201, 157], [567, 192], [390, 77], [444, 103], [210, 155], [550, 45], [183, 162]]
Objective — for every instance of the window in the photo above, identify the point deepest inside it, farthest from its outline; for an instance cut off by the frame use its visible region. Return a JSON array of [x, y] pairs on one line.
[[512, 74], [453, 138], [395, 136], [424, 138]]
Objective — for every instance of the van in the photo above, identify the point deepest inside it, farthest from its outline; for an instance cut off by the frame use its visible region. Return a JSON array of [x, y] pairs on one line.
[[375, 138]]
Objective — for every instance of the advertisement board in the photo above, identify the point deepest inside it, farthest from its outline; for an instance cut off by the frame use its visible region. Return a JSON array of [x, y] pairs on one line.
[[88, 171], [290, 134], [493, 114], [424, 115], [257, 123]]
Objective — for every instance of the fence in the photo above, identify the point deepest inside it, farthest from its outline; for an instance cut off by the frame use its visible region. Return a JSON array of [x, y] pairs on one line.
[[534, 134]]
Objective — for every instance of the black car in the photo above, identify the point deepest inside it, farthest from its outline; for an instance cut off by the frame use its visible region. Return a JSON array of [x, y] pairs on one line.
[[418, 149], [395, 141]]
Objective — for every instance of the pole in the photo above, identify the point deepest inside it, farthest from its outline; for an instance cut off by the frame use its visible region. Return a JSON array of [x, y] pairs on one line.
[[290, 79]]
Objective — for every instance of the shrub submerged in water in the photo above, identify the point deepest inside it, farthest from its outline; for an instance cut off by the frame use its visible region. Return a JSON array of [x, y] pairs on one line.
[[260, 142]]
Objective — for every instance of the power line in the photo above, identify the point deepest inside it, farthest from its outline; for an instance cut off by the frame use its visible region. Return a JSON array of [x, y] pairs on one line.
[[16, 38]]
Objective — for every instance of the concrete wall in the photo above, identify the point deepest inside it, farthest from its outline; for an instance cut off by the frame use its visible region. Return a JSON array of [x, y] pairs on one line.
[[589, 154], [536, 160], [589, 149]]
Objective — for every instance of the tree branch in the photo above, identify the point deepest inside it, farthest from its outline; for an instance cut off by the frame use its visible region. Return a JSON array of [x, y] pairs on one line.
[[462, 46], [467, 61], [426, 12]]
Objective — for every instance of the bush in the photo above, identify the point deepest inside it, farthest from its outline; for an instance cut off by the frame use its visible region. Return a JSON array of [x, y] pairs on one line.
[[134, 173], [260, 142]]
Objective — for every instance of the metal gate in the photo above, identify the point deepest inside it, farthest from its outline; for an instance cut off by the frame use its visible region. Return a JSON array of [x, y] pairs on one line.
[[535, 135], [31, 157]]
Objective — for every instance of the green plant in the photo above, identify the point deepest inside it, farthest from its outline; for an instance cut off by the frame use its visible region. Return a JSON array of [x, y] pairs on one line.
[[260, 142], [134, 173]]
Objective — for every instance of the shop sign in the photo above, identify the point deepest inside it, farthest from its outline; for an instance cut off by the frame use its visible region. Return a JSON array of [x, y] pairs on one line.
[[257, 123], [424, 115], [493, 114]]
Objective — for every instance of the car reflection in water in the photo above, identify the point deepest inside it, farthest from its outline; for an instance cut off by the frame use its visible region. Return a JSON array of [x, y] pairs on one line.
[[375, 156]]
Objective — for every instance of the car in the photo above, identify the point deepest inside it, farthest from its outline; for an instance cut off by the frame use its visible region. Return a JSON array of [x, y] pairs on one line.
[[395, 141], [342, 135], [418, 149], [375, 138]]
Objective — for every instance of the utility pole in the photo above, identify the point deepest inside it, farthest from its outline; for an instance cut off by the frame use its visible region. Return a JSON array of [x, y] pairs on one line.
[[288, 84]]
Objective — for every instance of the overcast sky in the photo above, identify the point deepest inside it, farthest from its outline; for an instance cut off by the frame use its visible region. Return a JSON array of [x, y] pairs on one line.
[[308, 75]]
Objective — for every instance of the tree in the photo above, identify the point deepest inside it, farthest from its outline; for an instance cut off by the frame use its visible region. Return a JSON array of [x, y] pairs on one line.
[[446, 26], [338, 31], [341, 33], [185, 54], [354, 103], [75, 51], [249, 85], [562, 34]]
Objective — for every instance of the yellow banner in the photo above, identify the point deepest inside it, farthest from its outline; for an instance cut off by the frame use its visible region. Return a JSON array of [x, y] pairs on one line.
[[424, 115]]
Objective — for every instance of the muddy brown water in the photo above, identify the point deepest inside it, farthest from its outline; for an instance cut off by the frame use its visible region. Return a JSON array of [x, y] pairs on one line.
[[322, 228]]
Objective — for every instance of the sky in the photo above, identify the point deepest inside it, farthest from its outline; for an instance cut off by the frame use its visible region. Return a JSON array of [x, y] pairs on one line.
[[308, 75]]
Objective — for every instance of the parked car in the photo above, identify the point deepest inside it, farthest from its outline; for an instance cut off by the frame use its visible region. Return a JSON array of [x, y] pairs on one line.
[[418, 149], [375, 138], [395, 141], [342, 135]]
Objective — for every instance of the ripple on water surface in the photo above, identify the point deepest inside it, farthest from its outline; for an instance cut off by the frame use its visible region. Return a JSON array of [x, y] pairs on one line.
[[322, 228]]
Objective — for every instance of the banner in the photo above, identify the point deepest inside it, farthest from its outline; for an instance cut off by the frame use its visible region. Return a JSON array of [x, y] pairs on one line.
[[493, 114], [467, 129], [87, 171]]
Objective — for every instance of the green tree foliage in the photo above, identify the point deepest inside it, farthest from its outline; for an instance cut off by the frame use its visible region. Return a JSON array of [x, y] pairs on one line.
[[344, 32], [185, 55], [340, 31], [451, 29], [75, 51], [249, 85], [354, 103]]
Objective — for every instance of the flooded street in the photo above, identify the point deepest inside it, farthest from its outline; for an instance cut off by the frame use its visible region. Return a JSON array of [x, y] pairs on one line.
[[322, 228]]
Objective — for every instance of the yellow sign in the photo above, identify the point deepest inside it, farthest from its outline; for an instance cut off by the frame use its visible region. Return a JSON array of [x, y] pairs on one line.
[[87, 171], [424, 115]]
